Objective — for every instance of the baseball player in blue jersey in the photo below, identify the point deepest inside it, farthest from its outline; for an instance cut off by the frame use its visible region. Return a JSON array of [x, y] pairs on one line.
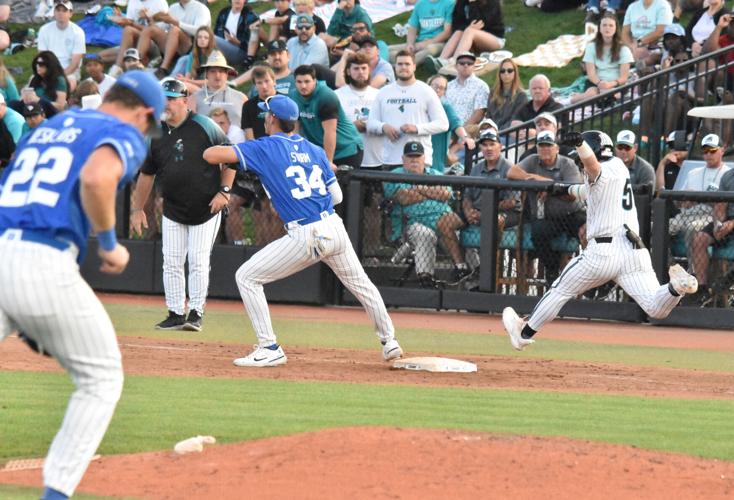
[[303, 189], [61, 183]]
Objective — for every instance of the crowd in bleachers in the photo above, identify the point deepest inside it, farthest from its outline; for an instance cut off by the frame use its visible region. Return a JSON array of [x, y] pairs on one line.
[[360, 99]]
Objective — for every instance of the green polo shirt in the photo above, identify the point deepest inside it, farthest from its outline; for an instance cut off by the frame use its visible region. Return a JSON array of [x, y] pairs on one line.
[[322, 105], [341, 23]]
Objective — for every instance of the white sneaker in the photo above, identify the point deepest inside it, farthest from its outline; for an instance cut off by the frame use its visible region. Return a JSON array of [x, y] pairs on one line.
[[262, 356], [682, 282], [514, 325], [391, 350]]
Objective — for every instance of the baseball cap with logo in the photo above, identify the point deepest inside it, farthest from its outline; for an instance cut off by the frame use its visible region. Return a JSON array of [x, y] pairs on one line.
[[674, 29], [546, 116], [487, 123], [65, 3], [626, 137], [146, 87], [281, 106], [131, 54], [546, 137], [32, 109], [489, 134], [711, 141], [276, 46], [304, 20], [413, 148]]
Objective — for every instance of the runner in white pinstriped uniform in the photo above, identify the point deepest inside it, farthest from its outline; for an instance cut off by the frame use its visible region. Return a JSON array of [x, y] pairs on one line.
[[193, 196], [62, 181], [298, 178], [614, 252]]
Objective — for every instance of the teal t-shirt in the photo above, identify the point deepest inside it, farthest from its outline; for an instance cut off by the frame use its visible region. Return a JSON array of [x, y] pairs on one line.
[[426, 212], [10, 91], [60, 87], [440, 142], [322, 105], [430, 16], [340, 25], [606, 69]]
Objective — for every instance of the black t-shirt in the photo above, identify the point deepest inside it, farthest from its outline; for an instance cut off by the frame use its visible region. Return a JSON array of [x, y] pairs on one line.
[[670, 174], [528, 113], [289, 28], [253, 117], [186, 182]]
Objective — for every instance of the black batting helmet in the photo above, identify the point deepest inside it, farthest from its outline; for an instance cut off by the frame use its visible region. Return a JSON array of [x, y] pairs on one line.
[[600, 143]]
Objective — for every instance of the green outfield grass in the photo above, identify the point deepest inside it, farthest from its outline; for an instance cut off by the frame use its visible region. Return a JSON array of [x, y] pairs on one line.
[[154, 413], [231, 327]]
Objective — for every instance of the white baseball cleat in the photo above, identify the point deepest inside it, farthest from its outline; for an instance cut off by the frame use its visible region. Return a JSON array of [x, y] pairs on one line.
[[682, 282], [391, 350], [262, 357], [514, 325]]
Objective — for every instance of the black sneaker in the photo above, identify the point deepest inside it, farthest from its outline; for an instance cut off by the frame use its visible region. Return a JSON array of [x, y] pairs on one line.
[[172, 322], [426, 280], [193, 322]]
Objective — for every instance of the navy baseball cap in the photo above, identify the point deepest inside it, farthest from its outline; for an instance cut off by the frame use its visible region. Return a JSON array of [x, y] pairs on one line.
[[413, 148], [146, 87], [281, 106], [276, 46]]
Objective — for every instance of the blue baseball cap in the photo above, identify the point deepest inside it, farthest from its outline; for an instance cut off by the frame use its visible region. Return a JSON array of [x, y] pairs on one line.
[[280, 106], [146, 87]]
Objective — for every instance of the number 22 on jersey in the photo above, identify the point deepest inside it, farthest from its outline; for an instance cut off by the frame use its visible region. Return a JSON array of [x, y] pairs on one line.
[[50, 167], [306, 185]]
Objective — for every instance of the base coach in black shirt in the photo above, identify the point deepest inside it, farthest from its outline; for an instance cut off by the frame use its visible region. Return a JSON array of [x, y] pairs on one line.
[[193, 196]]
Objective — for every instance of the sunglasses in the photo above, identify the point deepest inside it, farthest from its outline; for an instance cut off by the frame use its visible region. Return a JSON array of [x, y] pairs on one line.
[[507, 70], [623, 147], [465, 63], [40, 63], [359, 28], [710, 151], [303, 28]]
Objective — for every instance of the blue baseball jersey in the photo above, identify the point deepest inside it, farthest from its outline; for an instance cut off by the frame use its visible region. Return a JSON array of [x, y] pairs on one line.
[[295, 173], [39, 190]]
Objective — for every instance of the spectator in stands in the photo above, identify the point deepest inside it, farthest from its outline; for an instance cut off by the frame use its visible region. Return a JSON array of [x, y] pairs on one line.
[[360, 31], [702, 24], [429, 26], [48, 82], [306, 7], [641, 172], [723, 36], [234, 133], [697, 219], [253, 123], [644, 23], [417, 211], [607, 60], [551, 215], [94, 68], [137, 17], [669, 166], [356, 99], [283, 13], [477, 25], [541, 100], [545, 122], [681, 91], [216, 93], [131, 60], [4, 17], [406, 111], [8, 89], [183, 19], [34, 117], [674, 40], [233, 34], [86, 88], [593, 14], [322, 119], [306, 47], [719, 234], [467, 93], [340, 26], [189, 68], [507, 95], [66, 40], [12, 123], [442, 155], [381, 72]]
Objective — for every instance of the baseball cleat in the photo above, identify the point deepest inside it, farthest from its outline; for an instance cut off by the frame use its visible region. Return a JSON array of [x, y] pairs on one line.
[[193, 322], [172, 322], [391, 350], [682, 282], [514, 325], [262, 357]]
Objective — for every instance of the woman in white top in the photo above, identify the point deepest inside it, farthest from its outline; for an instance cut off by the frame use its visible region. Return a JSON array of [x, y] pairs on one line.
[[607, 60], [702, 24]]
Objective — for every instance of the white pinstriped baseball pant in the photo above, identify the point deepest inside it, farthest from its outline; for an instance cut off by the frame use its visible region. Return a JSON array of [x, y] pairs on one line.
[[601, 262], [43, 295], [196, 242], [326, 240]]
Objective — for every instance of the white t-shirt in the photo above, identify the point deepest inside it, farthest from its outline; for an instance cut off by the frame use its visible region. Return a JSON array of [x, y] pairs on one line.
[[191, 16], [151, 6], [705, 178], [703, 28], [105, 85], [232, 21], [415, 104], [235, 135], [63, 43], [356, 105]]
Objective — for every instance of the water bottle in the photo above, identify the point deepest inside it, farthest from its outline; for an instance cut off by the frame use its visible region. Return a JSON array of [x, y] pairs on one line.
[[541, 209]]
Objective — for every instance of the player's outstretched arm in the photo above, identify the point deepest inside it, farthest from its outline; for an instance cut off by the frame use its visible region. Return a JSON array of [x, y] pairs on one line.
[[99, 178], [220, 154], [586, 154]]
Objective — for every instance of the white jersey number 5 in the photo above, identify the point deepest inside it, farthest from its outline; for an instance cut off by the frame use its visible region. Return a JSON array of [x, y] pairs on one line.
[[314, 182], [51, 167]]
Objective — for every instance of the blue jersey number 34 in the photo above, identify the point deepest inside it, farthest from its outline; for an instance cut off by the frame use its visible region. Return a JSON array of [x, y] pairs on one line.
[[49, 168], [306, 185]]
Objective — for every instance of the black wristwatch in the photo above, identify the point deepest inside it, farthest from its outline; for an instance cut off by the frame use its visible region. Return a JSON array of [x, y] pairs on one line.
[[225, 189]]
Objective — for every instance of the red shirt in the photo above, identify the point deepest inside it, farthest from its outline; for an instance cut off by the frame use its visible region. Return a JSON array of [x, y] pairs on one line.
[[725, 41]]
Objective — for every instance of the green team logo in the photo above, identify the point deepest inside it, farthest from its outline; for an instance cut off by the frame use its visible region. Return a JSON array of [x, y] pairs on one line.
[[402, 108]]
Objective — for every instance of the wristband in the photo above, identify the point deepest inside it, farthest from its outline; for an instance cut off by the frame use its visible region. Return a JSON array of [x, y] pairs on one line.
[[585, 151], [107, 240]]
